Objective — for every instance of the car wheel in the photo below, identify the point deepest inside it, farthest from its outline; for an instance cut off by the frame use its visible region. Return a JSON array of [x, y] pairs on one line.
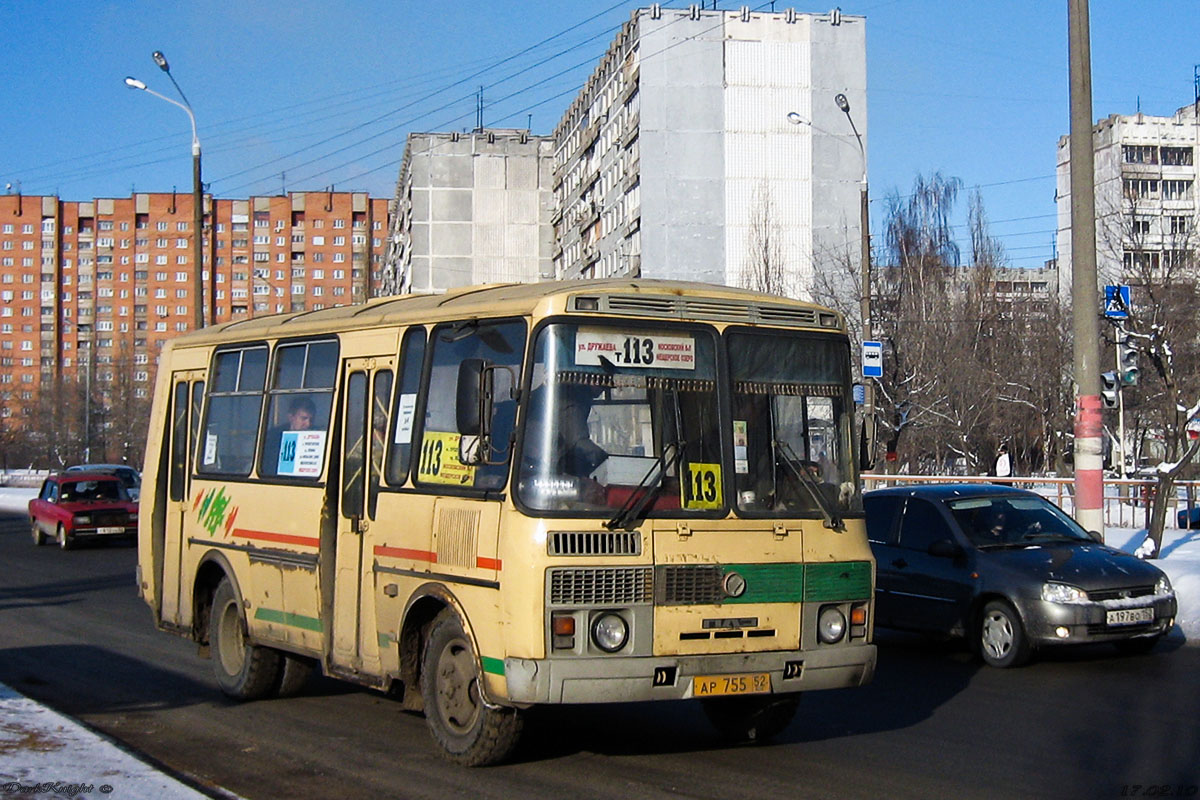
[[64, 541], [1139, 646], [243, 671], [1002, 641], [751, 719], [469, 731], [39, 538]]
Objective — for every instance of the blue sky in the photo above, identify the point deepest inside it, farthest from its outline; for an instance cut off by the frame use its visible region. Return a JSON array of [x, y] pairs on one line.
[[305, 94]]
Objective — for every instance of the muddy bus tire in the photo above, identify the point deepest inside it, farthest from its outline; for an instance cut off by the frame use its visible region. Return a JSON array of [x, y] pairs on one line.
[[294, 673], [243, 671], [469, 731], [756, 719]]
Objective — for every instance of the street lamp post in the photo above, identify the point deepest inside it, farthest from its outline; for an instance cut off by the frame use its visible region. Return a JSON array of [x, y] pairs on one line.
[[197, 196], [865, 301]]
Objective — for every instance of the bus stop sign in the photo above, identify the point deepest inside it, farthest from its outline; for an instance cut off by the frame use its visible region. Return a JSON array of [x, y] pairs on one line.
[[872, 359]]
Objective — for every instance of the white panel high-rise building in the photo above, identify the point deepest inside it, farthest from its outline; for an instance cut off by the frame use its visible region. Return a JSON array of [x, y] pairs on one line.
[[679, 159], [1146, 212]]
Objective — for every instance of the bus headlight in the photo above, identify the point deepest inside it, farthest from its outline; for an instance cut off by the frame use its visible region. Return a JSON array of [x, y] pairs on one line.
[[831, 625], [610, 632]]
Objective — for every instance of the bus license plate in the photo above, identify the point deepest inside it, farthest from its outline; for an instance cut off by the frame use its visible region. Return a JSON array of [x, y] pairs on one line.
[[718, 685], [1130, 616], [111, 529]]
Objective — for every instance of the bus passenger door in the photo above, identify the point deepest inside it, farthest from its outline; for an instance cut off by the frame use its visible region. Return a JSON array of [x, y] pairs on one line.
[[187, 393], [368, 389]]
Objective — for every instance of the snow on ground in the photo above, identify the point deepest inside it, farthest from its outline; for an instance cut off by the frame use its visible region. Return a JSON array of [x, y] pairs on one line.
[[44, 754]]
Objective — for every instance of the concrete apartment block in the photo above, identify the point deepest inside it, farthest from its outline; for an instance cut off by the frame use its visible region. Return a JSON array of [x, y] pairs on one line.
[[470, 209], [1146, 210]]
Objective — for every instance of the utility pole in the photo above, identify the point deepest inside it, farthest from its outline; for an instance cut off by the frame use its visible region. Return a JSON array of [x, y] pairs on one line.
[[1089, 428]]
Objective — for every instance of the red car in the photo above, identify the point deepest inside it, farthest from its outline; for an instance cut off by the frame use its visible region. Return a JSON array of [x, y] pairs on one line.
[[76, 506]]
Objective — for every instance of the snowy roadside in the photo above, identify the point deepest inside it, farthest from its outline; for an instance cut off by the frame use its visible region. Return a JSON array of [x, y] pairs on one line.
[[44, 754]]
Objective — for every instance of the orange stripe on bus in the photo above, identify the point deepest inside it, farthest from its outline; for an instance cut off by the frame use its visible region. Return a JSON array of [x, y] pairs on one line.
[[404, 552], [282, 538], [488, 563]]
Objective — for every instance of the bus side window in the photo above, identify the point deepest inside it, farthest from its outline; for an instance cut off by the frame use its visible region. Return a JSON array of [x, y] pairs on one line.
[[179, 440], [498, 343], [405, 408], [297, 421], [234, 406], [379, 428]]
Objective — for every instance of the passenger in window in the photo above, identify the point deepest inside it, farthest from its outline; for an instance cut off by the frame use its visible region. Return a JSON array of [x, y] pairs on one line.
[[300, 415]]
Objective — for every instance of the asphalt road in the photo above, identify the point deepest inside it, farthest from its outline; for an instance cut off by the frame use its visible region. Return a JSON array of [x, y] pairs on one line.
[[934, 724]]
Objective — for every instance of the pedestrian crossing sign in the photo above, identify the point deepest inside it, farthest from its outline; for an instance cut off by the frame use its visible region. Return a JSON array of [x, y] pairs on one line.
[[1116, 302]]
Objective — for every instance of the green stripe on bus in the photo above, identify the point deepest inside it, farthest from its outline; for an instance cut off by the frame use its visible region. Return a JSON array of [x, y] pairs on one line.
[[837, 582], [493, 665], [768, 583], [290, 619]]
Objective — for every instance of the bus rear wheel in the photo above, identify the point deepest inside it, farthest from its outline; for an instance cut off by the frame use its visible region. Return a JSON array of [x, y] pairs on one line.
[[469, 730], [243, 671], [756, 719]]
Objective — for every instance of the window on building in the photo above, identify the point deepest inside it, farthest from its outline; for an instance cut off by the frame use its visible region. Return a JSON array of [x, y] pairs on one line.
[[1177, 190], [1177, 156]]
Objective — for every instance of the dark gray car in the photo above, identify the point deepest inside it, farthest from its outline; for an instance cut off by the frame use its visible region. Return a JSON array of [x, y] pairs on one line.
[[1010, 571]]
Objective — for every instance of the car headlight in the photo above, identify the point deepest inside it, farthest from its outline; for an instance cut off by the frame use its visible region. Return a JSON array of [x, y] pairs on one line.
[[831, 625], [610, 632], [1062, 593], [1163, 586], [83, 519]]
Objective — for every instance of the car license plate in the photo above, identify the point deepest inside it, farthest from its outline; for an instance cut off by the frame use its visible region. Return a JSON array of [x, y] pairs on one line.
[[718, 685], [111, 529], [1130, 616]]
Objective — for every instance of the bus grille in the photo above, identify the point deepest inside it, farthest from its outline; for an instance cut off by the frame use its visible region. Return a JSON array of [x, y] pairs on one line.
[[594, 543], [689, 584], [601, 586]]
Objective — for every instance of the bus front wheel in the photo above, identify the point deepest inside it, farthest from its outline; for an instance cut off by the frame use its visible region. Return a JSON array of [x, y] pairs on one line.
[[469, 730], [756, 719], [244, 671]]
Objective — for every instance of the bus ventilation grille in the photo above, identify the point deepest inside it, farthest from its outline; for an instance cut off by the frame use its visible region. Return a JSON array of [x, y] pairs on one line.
[[594, 543], [689, 584], [687, 308], [601, 586]]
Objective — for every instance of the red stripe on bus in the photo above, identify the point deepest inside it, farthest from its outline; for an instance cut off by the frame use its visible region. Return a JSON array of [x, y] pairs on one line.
[[404, 552], [282, 538], [488, 563]]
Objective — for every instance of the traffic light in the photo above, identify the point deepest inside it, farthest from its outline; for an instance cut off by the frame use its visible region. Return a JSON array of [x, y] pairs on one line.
[[1108, 389], [1127, 356]]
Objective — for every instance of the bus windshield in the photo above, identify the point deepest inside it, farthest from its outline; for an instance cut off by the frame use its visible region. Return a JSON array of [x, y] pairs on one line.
[[792, 425], [622, 422]]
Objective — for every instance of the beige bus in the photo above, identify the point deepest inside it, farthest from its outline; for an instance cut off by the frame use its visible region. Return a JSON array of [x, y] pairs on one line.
[[514, 495]]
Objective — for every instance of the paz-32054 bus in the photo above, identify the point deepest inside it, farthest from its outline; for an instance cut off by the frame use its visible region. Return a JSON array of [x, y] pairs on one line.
[[515, 495]]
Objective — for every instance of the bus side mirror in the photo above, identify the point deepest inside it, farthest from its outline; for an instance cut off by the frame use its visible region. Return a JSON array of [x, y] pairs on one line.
[[473, 406]]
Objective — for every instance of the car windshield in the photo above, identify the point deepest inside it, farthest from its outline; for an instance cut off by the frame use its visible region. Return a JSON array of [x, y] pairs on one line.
[[1014, 520], [622, 422], [91, 491], [792, 425]]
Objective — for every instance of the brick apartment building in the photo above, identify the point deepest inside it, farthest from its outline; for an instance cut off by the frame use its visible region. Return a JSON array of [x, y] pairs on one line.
[[103, 283]]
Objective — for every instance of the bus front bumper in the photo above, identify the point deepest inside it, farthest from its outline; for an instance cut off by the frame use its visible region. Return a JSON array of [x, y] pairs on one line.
[[625, 679]]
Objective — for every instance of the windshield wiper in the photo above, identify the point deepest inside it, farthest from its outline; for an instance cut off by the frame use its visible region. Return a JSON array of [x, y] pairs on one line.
[[647, 489], [832, 519]]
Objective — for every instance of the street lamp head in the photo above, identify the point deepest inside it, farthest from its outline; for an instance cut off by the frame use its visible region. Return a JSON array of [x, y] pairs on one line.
[[842, 102], [161, 60], [134, 83], [795, 118]]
